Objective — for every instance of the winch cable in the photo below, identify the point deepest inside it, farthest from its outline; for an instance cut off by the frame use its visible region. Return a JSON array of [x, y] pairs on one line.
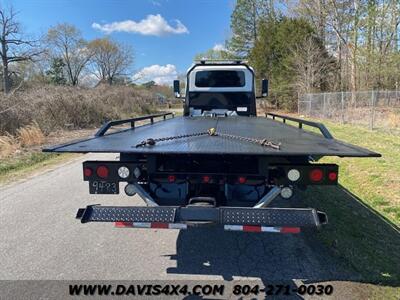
[[212, 132]]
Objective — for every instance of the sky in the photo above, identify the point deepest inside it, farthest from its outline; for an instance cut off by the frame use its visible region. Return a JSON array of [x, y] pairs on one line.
[[165, 34]]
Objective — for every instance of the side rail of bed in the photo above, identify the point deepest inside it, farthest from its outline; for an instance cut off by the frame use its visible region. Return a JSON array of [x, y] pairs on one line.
[[324, 131], [102, 131]]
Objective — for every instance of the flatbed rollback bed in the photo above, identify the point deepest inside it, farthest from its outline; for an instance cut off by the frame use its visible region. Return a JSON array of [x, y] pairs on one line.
[[219, 164]]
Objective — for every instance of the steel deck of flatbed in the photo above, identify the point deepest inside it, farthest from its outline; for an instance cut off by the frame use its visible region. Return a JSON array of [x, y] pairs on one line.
[[294, 141]]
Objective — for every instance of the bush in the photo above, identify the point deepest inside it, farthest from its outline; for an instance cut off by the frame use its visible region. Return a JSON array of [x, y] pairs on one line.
[[61, 107], [8, 145], [30, 135]]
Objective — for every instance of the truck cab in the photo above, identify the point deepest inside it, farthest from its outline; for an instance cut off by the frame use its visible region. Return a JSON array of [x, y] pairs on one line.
[[220, 88]]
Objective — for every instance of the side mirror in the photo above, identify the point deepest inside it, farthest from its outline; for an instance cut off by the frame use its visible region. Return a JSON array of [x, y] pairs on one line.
[[264, 87], [177, 89]]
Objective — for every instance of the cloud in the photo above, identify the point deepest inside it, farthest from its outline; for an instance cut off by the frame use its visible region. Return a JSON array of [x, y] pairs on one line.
[[155, 3], [89, 80], [161, 75], [219, 47], [151, 25]]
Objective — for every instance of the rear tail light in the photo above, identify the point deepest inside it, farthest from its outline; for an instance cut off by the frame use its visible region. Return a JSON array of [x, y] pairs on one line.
[[206, 179], [316, 175], [87, 172], [332, 176], [102, 171], [242, 179], [171, 178]]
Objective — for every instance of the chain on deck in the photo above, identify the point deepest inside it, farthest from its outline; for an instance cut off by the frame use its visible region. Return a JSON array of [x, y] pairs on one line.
[[212, 132]]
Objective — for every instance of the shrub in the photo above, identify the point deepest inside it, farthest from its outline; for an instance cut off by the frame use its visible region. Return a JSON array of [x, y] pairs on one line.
[[30, 135], [8, 145], [62, 107]]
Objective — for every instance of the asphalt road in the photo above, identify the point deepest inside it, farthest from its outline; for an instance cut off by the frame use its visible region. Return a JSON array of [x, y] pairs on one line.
[[40, 239]]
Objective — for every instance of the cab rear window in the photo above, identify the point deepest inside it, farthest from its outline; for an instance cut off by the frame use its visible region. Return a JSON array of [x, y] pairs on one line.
[[220, 79]]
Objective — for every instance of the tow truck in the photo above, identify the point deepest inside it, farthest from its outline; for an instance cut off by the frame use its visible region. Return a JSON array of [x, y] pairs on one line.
[[219, 164]]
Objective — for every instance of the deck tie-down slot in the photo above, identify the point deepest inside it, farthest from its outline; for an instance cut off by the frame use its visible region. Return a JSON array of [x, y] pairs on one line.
[[220, 215]]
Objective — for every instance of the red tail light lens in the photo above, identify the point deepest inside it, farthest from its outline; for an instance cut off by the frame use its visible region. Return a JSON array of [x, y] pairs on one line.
[[242, 179], [332, 176], [171, 178], [206, 179], [87, 172], [316, 175], [102, 171]]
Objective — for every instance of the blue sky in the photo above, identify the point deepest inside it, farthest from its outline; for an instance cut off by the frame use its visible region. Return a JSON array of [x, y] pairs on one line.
[[165, 34]]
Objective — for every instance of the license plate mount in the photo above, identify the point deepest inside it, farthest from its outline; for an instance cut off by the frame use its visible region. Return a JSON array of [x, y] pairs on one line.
[[103, 187]]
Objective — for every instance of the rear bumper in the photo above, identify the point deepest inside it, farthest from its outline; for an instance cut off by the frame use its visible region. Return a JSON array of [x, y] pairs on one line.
[[227, 216]]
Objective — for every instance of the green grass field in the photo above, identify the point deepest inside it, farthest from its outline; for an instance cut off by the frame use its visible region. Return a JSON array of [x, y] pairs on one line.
[[375, 180], [364, 210]]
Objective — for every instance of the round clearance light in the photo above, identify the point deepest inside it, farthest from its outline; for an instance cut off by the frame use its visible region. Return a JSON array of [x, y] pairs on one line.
[[123, 172], [87, 172], [286, 192], [332, 176], [206, 179], [171, 178], [137, 172], [102, 172], [293, 175], [130, 189], [242, 180], [316, 175]]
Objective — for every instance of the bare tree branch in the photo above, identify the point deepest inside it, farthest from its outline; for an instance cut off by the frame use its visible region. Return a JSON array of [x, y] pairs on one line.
[[66, 42], [110, 59], [13, 47]]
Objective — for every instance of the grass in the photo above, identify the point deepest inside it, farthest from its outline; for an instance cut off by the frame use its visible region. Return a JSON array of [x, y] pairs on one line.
[[364, 210], [359, 235], [28, 163], [31, 135], [384, 292], [8, 145], [20, 155], [375, 180]]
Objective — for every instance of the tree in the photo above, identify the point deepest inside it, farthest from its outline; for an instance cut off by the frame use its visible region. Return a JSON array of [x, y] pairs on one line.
[[245, 21], [315, 12], [14, 48], [272, 56], [363, 34], [66, 41], [56, 72], [312, 66], [110, 59], [215, 54]]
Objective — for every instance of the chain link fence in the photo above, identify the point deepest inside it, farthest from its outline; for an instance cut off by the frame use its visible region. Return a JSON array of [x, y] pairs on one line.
[[372, 109]]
